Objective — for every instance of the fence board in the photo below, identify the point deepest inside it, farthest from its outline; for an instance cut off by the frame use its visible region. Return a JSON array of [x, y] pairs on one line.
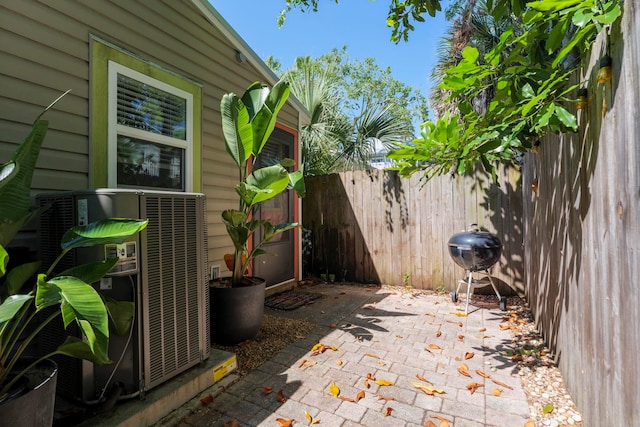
[[582, 235], [385, 229]]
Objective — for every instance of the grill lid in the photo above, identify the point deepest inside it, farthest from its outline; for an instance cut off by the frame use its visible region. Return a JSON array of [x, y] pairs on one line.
[[475, 250], [475, 239]]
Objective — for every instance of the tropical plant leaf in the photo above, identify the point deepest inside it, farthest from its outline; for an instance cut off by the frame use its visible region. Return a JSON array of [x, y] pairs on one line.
[[121, 314], [267, 183], [19, 275], [236, 128], [80, 302], [264, 120], [113, 230], [92, 272], [11, 305], [75, 347], [4, 261]]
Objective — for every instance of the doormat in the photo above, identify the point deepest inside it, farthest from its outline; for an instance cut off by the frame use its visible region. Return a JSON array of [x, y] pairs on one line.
[[290, 300]]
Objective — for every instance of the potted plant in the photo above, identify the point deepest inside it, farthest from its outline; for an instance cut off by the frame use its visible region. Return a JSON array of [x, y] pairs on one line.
[[23, 398], [247, 122]]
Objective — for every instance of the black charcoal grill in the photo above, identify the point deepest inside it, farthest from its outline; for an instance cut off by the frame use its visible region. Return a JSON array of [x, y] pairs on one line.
[[475, 251]]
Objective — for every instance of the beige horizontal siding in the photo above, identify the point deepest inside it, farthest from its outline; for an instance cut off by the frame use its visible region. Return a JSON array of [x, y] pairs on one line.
[[44, 50]]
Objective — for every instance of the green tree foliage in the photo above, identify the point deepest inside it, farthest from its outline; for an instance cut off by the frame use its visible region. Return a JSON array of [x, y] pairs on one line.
[[508, 96], [498, 97], [353, 104]]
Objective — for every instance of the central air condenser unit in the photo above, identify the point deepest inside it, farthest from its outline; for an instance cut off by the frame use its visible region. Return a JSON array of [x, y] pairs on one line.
[[162, 271]]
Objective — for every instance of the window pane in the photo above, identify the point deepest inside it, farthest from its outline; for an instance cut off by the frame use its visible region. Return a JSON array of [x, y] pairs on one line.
[[151, 109], [146, 164]]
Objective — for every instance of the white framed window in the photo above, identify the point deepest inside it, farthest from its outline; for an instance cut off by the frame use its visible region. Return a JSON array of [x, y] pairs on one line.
[[150, 132]]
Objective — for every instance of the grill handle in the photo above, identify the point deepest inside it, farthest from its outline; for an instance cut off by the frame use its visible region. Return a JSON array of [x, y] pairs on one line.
[[473, 228]]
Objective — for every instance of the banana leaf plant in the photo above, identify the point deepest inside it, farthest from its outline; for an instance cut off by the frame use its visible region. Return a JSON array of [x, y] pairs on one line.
[[247, 123], [24, 293]]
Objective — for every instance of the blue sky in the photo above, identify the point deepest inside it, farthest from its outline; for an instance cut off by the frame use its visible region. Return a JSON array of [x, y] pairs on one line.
[[358, 24]]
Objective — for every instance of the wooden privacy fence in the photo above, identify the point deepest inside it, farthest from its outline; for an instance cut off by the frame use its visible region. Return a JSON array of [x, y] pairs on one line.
[[376, 227], [582, 230]]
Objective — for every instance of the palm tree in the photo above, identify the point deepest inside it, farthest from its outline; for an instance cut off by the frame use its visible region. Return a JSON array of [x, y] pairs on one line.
[[333, 141], [316, 88], [474, 26]]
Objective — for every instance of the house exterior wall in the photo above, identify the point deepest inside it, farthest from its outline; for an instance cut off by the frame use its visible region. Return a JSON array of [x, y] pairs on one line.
[[45, 49]]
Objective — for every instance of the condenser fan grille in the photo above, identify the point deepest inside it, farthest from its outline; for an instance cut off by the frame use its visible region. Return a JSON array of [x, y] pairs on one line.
[[174, 238]]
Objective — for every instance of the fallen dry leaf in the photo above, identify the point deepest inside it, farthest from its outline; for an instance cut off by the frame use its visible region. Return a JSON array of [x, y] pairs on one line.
[[443, 421], [421, 378], [207, 399], [334, 390], [459, 314], [502, 384], [464, 370], [308, 417], [434, 347], [375, 356], [482, 374], [366, 384], [281, 397], [427, 389], [284, 422], [308, 363], [339, 362], [468, 355], [383, 397], [530, 423], [399, 336], [384, 382], [460, 337], [267, 391], [438, 333], [429, 423], [232, 423], [302, 362], [482, 329], [460, 324], [496, 392], [332, 326], [347, 399], [472, 387], [359, 396], [387, 411], [431, 315], [371, 377]]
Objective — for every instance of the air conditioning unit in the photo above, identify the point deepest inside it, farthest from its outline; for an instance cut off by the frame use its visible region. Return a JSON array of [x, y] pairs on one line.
[[163, 271]]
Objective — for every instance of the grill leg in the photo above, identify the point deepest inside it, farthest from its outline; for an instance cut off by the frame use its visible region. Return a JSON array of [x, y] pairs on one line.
[[466, 310], [493, 285], [502, 300]]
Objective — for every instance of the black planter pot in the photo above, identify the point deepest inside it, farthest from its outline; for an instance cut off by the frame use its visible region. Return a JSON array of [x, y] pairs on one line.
[[34, 406], [236, 313]]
